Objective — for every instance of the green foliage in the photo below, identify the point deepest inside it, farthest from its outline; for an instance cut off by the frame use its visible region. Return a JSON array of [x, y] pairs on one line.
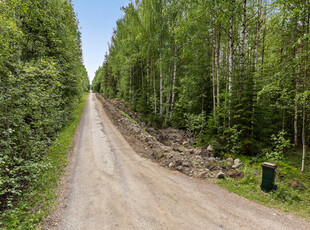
[[196, 123], [154, 121], [280, 144], [42, 79], [232, 138], [204, 66], [37, 199]]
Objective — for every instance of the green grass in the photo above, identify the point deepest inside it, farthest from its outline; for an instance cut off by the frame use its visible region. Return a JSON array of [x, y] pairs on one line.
[[38, 200], [285, 197], [132, 120]]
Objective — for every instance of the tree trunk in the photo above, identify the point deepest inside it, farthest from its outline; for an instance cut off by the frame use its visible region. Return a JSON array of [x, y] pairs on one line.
[[242, 39], [304, 148], [142, 74], [154, 88], [296, 124], [296, 116], [161, 86], [258, 27], [283, 118], [130, 90], [218, 47], [304, 115], [213, 78], [231, 60], [167, 115], [174, 81], [263, 51]]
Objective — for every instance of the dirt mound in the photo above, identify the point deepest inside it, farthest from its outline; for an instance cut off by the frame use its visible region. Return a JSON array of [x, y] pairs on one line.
[[171, 148], [170, 136]]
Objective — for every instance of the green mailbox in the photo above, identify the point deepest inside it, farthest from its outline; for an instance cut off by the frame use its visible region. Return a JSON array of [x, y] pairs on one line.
[[268, 177]]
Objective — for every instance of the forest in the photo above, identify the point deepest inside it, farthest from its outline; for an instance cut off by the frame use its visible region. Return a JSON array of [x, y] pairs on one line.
[[42, 80], [234, 73]]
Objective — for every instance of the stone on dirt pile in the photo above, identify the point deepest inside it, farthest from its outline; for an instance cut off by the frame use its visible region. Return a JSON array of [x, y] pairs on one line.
[[210, 148], [221, 175], [229, 159], [237, 164]]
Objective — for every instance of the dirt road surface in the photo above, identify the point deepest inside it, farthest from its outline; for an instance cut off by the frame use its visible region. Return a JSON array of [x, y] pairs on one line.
[[112, 187]]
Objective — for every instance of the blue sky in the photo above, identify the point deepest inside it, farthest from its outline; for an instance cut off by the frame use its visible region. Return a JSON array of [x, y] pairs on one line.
[[97, 19]]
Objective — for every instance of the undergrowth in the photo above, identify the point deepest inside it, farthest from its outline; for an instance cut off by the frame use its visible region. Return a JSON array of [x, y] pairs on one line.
[[285, 198], [39, 197]]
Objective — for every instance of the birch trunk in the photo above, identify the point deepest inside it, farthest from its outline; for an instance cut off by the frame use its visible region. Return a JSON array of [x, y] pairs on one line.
[[242, 39], [213, 79], [154, 88], [161, 86], [296, 116], [174, 81], [256, 64], [304, 115], [231, 60]]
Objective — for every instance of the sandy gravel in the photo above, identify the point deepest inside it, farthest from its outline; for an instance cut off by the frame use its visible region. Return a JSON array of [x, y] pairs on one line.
[[112, 187]]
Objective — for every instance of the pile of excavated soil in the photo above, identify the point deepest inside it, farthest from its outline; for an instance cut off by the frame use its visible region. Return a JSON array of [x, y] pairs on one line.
[[171, 148], [171, 136]]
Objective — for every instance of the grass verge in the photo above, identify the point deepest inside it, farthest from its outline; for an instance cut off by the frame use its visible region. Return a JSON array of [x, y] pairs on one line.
[[37, 201], [285, 198]]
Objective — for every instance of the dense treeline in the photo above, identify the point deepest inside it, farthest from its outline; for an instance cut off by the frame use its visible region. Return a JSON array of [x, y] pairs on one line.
[[42, 78], [235, 73]]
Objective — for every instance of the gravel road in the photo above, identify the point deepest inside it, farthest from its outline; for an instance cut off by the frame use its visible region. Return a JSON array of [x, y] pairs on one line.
[[112, 187]]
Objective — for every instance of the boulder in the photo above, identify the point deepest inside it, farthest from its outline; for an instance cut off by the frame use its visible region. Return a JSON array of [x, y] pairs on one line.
[[210, 148], [203, 174], [186, 163], [237, 164], [228, 162], [297, 185], [237, 161], [236, 174], [229, 159], [211, 159], [180, 168], [201, 151], [221, 175], [171, 165], [198, 151]]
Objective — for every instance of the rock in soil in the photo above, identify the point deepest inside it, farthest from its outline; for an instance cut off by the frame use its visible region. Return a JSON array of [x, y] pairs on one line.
[[236, 174], [221, 175], [210, 148], [237, 164], [204, 174], [231, 160], [297, 185]]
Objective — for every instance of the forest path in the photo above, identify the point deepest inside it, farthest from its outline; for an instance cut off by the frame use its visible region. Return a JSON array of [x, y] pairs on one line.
[[112, 187]]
